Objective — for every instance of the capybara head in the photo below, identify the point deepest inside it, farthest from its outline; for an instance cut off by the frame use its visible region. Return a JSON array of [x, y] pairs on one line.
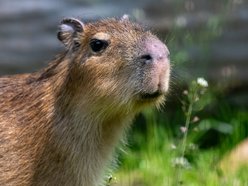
[[118, 62]]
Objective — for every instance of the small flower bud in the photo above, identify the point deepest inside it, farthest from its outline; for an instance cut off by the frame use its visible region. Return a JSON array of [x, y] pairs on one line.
[[195, 119], [173, 146], [183, 129], [185, 92], [202, 82]]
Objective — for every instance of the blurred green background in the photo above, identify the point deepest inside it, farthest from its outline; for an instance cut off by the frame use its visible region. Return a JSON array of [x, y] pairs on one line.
[[206, 38]]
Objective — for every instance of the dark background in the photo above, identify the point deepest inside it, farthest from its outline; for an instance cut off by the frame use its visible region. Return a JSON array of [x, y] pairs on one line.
[[28, 31]]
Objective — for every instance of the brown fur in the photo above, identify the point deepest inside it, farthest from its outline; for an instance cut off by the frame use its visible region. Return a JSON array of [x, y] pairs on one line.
[[59, 126]]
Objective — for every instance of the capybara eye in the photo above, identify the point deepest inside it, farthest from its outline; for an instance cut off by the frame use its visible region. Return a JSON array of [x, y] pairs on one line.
[[98, 45]]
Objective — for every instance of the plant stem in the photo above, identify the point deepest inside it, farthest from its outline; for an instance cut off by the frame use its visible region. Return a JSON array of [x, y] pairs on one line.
[[185, 135]]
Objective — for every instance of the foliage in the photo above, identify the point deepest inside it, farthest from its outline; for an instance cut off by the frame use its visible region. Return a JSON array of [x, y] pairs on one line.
[[155, 162], [188, 154]]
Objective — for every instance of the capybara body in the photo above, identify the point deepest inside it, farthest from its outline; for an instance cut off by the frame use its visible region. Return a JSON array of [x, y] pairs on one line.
[[60, 125]]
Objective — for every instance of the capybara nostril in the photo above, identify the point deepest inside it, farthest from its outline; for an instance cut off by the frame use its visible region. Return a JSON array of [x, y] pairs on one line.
[[147, 58]]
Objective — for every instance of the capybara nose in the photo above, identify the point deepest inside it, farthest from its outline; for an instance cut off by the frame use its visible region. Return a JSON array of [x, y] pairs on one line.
[[154, 51]]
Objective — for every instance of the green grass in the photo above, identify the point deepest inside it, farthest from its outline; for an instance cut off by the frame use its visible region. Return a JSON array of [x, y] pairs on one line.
[[148, 160]]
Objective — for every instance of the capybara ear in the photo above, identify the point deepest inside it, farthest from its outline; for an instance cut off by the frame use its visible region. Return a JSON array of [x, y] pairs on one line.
[[125, 17], [68, 33]]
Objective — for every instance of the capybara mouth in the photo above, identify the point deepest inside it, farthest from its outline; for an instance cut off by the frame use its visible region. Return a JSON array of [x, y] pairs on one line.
[[154, 95]]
